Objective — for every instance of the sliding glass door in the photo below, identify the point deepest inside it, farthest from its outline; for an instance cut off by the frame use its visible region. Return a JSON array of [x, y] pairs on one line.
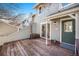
[[44, 30]]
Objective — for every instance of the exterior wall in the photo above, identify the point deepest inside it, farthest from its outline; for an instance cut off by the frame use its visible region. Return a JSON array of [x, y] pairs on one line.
[[34, 28], [13, 34], [47, 10], [38, 28], [37, 22], [55, 29]]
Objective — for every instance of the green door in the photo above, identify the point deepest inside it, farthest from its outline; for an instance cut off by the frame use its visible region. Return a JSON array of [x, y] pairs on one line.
[[68, 31]]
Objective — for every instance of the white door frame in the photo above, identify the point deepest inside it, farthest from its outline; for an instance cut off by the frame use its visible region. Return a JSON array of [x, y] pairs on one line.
[[47, 22], [41, 29], [61, 27]]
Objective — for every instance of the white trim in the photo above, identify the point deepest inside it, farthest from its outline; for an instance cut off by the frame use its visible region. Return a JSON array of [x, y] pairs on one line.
[[46, 33], [60, 31], [72, 16], [64, 13], [48, 22], [40, 30], [50, 30], [43, 22], [76, 30], [76, 26]]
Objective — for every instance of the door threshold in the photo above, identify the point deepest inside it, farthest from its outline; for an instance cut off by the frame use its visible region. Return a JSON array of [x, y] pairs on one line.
[[68, 46]]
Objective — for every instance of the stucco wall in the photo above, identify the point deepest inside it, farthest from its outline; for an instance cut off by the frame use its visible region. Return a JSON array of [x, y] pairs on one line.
[[55, 28]]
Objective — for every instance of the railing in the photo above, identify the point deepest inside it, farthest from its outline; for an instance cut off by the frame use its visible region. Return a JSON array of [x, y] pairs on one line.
[[6, 38], [17, 35], [8, 23], [7, 34]]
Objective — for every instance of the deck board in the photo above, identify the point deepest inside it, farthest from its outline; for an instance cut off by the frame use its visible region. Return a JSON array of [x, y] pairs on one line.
[[33, 47]]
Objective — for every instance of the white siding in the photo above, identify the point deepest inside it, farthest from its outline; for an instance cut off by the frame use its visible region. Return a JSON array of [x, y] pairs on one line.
[[37, 22], [34, 27], [55, 35], [49, 9]]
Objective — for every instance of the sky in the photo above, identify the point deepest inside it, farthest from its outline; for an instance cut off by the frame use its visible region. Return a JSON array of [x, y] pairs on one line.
[[25, 8], [18, 8], [21, 9]]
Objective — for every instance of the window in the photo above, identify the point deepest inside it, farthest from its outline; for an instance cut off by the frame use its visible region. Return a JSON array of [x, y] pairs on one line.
[[43, 30], [68, 26], [40, 10]]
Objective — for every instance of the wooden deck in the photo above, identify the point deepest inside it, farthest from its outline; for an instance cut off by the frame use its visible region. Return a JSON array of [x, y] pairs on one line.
[[33, 47]]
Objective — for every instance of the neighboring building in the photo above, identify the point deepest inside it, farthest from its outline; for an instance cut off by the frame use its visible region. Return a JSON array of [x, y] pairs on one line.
[[58, 22]]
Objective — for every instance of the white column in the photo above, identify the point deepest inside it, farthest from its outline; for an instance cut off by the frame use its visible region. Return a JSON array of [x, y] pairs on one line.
[[40, 30], [46, 33], [77, 26], [50, 29], [76, 29]]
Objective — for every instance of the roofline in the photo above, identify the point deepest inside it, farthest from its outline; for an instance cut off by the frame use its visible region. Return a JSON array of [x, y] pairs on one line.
[[71, 6], [36, 5], [33, 14], [66, 12]]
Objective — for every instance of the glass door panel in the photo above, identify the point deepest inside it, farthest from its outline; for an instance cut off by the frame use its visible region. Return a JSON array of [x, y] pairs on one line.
[[44, 30], [48, 32]]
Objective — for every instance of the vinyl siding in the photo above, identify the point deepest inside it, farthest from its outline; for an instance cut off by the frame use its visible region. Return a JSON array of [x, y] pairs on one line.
[[49, 9], [55, 35]]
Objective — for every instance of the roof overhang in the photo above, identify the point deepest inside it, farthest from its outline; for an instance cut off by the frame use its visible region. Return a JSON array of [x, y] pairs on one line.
[[63, 13], [37, 5]]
